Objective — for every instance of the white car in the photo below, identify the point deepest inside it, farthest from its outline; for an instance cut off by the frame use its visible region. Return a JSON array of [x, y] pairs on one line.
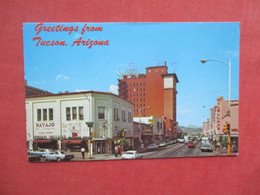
[[131, 154], [152, 146], [57, 156], [162, 144], [180, 140]]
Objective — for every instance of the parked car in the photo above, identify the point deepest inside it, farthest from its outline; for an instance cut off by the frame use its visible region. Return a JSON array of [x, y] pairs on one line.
[[162, 144], [180, 140], [152, 146], [34, 158], [40, 152], [170, 142], [57, 156], [205, 140], [206, 147], [131, 154], [191, 144]]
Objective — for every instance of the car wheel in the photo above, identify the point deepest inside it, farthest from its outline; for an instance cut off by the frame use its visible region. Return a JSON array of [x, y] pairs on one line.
[[58, 159], [45, 159]]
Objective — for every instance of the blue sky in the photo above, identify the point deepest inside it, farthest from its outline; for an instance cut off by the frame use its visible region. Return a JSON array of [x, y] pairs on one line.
[[181, 45]]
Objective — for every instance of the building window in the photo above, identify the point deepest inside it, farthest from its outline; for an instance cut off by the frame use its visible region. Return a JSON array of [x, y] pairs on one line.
[[50, 114], [123, 116], [81, 116], [129, 117], [101, 112], [116, 114], [68, 114], [143, 94], [74, 113], [44, 114], [39, 115]]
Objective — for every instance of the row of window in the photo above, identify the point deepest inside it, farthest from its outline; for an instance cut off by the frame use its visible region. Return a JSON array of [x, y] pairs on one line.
[[141, 105], [141, 100], [123, 115], [136, 89], [136, 84], [45, 114], [141, 94], [76, 113]]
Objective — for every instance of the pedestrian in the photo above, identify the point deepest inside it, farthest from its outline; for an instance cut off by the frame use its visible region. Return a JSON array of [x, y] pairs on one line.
[[217, 147], [116, 151], [120, 149], [83, 150]]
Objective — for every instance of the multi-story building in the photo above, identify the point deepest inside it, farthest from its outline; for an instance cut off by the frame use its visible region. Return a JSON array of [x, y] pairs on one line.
[[220, 114], [67, 120], [153, 94]]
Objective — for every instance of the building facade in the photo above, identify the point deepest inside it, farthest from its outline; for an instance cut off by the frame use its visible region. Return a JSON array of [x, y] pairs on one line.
[[153, 94], [72, 120], [220, 114]]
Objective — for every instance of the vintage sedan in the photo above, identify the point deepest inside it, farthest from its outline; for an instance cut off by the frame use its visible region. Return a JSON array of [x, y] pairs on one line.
[[191, 144], [152, 146], [206, 147], [57, 156], [131, 154]]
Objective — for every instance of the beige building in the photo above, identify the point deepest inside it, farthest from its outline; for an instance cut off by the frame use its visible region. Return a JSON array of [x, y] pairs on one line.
[[59, 121]]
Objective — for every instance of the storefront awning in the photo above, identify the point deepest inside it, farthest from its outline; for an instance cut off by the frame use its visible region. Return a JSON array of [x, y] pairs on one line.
[[72, 141], [43, 141]]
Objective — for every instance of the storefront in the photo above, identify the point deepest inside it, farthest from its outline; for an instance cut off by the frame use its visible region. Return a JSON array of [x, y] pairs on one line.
[[50, 144]]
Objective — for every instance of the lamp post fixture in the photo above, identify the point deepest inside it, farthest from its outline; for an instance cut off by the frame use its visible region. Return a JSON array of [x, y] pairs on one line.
[[229, 94]]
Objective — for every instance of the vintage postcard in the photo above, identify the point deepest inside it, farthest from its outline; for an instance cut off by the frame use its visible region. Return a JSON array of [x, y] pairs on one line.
[[114, 91]]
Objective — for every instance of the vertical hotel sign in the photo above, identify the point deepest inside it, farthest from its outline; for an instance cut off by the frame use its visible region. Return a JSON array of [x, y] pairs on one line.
[[218, 116]]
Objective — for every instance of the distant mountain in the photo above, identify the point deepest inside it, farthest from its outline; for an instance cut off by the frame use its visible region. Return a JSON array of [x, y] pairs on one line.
[[192, 127]]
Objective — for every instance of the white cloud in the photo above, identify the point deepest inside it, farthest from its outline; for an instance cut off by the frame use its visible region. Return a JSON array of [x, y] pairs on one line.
[[62, 77], [113, 89]]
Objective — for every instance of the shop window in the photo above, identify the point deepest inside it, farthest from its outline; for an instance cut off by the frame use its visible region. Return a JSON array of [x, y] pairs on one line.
[[74, 113], [81, 115], [39, 114], [101, 112], [44, 114], [68, 114], [51, 114]]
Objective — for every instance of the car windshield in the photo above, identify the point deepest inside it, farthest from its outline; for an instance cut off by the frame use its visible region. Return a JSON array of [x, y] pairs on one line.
[[206, 145]]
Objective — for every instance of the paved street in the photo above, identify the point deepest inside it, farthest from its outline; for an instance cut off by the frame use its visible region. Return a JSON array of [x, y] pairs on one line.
[[178, 150]]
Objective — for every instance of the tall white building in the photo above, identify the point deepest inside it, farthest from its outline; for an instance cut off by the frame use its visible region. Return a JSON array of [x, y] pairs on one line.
[[60, 120]]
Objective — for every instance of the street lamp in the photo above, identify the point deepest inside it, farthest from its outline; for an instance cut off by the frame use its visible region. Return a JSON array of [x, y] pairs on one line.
[[229, 65]]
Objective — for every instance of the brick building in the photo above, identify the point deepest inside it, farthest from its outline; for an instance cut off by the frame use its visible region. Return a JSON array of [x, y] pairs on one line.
[[153, 93]]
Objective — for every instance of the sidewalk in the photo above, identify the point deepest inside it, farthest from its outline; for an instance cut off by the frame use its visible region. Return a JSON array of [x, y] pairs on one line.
[[78, 157]]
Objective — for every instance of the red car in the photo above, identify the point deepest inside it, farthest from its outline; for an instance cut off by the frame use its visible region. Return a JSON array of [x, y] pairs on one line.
[[190, 144]]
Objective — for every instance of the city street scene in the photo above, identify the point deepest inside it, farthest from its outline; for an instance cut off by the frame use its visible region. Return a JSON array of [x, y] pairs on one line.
[[121, 91]]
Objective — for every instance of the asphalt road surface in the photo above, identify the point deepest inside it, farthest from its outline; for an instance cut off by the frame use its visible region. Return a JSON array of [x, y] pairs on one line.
[[177, 150]]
